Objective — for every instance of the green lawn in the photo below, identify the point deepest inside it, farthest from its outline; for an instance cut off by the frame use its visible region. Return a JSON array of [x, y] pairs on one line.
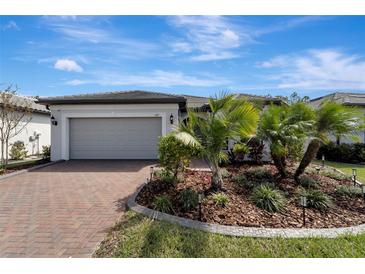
[[347, 168], [137, 236]]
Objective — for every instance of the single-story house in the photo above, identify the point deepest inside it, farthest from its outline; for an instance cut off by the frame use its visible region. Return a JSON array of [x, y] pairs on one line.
[[37, 132], [113, 125], [349, 99]]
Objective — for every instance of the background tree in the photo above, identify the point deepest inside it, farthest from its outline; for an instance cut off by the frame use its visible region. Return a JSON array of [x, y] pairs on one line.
[[334, 119], [228, 118], [15, 114]]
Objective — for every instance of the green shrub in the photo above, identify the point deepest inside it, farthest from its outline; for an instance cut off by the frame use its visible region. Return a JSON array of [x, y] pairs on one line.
[[18, 151], [240, 180], [162, 203], [259, 174], [220, 199], [268, 198], [347, 153], [308, 182], [239, 151], [240, 148], [335, 175], [349, 191], [188, 199], [173, 154], [225, 173], [317, 199], [164, 176], [46, 151]]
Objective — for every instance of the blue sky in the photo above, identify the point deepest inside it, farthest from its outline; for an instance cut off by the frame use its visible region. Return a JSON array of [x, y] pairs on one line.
[[198, 55]]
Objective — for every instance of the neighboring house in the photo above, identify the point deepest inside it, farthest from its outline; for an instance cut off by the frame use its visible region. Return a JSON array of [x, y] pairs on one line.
[[37, 132], [348, 99], [114, 125]]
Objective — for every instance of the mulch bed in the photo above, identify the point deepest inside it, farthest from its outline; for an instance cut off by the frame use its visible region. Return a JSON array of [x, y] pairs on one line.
[[240, 211]]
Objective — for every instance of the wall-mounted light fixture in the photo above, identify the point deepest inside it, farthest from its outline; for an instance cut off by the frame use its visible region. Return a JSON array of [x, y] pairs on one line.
[[53, 121], [171, 119]]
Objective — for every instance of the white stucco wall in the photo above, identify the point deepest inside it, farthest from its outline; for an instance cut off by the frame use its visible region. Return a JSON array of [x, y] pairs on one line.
[[39, 123], [63, 113]]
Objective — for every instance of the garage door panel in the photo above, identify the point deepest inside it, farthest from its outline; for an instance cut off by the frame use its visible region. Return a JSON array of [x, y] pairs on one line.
[[114, 138]]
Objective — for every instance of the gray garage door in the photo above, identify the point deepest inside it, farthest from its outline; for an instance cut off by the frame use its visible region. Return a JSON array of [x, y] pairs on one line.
[[114, 138]]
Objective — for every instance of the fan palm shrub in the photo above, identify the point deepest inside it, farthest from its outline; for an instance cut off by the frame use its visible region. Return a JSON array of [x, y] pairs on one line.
[[228, 118], [284, 127], [334, 119]]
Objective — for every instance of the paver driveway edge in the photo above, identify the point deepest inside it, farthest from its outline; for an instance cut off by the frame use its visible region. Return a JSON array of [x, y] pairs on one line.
[[12, 174]]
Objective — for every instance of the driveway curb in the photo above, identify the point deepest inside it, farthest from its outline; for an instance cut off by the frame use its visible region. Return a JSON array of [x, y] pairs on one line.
[[256, 232], [12, 174]]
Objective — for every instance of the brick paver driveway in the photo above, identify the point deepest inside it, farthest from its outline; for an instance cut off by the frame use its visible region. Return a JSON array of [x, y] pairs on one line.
[[65, 209]]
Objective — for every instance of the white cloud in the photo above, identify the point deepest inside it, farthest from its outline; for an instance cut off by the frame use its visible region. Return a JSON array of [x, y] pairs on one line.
[[279, 61], [181, 47], [318, 69], [156, 78], [11, 25], [208, 35], [290, 24], [211, 38], [67, 65], [214, 56]]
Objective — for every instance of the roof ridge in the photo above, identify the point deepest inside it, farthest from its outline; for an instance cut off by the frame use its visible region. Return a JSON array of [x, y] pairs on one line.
[[113, 92]]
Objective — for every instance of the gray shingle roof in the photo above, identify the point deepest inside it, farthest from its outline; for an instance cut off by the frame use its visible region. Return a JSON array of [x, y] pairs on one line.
[[196, 101], [346, 98], [116, 97], [199, 101], [265, 99]]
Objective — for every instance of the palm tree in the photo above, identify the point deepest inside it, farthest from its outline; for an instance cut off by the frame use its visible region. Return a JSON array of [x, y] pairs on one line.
[[228, 118], [330, 119], [283, 127]]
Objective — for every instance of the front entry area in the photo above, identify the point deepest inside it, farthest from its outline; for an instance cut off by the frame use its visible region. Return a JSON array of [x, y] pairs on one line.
[[114, 138]]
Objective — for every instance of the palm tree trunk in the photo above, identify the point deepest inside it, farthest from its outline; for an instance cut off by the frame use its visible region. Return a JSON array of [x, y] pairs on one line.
[[217, 181], [280, 165], [308, 157]]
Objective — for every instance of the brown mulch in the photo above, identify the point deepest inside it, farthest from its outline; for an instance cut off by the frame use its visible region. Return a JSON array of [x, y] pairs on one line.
[[240, 211]]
